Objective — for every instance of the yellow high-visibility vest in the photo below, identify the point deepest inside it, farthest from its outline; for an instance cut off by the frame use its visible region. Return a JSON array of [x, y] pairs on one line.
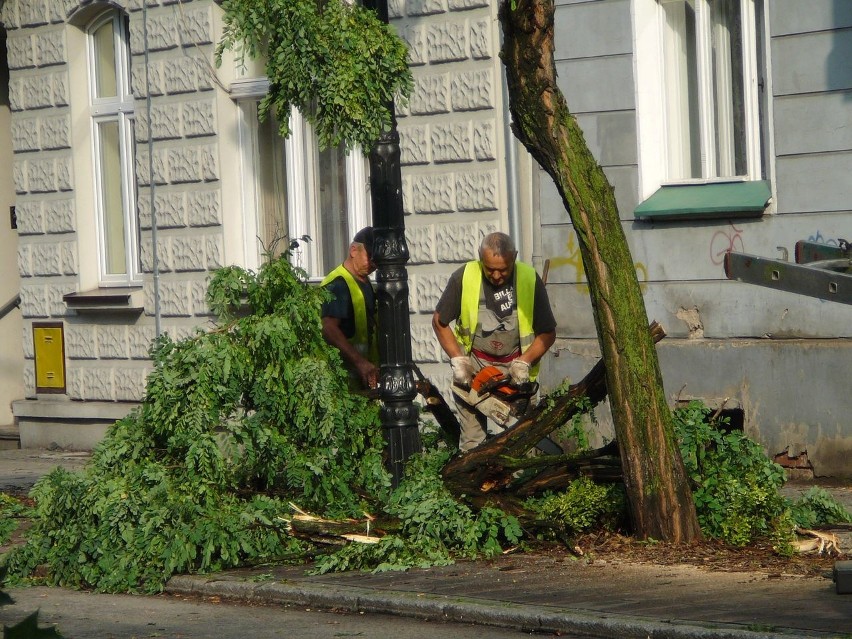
[[361, 340], [525, 279]]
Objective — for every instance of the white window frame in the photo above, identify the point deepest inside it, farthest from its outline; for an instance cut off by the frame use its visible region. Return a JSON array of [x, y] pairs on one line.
[[651, 96], [302, 190], [119, 109]]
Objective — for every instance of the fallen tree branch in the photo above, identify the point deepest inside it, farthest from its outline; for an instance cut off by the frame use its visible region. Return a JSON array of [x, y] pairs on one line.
[[487, 473], [498, 472]]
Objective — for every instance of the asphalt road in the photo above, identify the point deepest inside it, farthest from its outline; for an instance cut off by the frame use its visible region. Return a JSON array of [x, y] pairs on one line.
[[82, 615]]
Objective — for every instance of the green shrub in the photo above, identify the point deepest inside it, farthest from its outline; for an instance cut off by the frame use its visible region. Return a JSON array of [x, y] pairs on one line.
[[435, 527], [734, 485], [334, 61], [235, 423], [582, 506]]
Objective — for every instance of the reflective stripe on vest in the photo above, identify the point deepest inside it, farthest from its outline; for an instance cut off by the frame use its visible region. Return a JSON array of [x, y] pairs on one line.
[[361, 339], [525, 279]]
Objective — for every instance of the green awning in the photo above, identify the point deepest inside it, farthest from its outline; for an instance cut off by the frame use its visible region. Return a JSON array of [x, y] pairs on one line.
[[692, 201]]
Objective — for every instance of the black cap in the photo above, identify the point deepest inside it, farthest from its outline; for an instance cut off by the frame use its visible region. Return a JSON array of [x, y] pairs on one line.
[[365, 237]]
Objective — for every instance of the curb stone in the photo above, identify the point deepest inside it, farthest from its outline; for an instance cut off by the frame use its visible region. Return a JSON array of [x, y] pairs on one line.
[[442, 608]]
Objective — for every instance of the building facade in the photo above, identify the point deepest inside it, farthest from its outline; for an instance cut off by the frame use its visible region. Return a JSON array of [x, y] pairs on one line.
[[722, 126], [139, 167], [11, 353]]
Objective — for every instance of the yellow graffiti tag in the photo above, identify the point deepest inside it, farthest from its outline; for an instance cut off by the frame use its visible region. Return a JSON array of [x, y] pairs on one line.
[[575, 259]]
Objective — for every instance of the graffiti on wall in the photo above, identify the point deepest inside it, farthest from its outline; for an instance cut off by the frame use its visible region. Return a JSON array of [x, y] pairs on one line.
[[726, 241], [817, 238], [574, 260]]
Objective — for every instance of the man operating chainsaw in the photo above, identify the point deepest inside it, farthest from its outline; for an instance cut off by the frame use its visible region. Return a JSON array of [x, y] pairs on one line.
[[502, 319]]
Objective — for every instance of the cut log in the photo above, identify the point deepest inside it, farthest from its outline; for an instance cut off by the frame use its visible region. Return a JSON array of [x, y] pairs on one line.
[[303, 525]]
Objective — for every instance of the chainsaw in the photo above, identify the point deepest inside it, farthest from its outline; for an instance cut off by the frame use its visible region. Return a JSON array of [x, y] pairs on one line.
[[492, 393]]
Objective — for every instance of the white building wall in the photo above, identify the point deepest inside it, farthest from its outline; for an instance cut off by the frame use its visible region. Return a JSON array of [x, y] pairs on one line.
[[107, 352], [453, 150], [11, 355]]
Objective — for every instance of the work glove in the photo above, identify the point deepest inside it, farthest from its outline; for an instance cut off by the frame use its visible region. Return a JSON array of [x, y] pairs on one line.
[[519, 371], [462, 370]]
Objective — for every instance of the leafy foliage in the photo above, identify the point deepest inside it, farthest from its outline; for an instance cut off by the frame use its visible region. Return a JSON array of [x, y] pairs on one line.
[[12, 510], [436, 528], [240, 420], [334, 61], [734, 485], [235, 422], [736, 489], [817, 507], [583, 505]]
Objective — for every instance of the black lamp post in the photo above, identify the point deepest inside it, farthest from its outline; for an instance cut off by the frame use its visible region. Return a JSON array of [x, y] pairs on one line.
[[396, 378]]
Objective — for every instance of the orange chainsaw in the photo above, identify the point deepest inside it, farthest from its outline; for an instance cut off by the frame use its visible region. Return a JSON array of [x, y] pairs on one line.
[[493, 394]]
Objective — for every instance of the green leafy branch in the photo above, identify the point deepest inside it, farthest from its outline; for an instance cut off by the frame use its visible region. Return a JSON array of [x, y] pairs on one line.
[[335, 62]]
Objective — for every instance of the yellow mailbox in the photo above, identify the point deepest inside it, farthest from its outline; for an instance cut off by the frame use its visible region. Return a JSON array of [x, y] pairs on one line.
[[49, 347]]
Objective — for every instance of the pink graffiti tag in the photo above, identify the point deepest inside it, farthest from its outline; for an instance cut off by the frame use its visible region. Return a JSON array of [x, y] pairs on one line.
[[725, 242]]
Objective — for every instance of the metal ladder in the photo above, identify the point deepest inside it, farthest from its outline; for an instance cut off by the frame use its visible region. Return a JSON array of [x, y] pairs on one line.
[[821, 270]]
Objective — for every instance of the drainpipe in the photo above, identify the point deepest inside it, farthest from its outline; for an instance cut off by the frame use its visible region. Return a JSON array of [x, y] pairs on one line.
[[151, 182], [513, 194]]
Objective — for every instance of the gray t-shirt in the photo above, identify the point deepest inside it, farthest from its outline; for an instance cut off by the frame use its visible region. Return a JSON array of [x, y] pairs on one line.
[[500, 301]]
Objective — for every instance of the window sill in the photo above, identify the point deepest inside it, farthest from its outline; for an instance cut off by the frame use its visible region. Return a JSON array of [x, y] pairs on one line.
[[106, 300], [706, 201]]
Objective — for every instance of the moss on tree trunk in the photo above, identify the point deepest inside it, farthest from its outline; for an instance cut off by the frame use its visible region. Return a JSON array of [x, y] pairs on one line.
[[661, 504]]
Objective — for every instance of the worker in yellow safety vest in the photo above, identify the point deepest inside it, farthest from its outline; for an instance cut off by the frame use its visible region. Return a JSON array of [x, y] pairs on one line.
[[349, 318], [502, 318]]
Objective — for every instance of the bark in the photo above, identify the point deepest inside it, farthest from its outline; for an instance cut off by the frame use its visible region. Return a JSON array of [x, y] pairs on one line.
[[434, 403], [660, 500]]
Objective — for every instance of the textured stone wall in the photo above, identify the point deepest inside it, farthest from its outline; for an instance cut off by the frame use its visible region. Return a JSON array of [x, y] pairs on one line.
[[106, 355], [451, 141]]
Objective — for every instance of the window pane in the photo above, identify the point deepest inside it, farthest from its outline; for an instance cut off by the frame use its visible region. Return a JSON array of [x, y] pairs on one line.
[[271, 187], [681, 86], [112, 213], [729, 88], [333, 214], [104, 48]]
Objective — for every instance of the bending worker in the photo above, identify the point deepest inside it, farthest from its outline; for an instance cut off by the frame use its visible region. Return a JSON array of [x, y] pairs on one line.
[[349, 318], [503, 318]]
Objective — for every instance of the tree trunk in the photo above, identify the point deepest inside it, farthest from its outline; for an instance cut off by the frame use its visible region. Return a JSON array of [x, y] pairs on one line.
[[660, 500]]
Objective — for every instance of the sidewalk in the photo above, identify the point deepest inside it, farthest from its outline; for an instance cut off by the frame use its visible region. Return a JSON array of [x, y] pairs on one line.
[[537, 593]]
